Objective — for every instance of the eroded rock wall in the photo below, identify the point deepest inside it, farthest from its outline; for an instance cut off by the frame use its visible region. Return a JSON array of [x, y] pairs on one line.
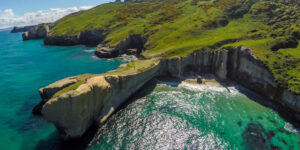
[[75, 111], [38, 32], [91, 38], [132, 45], [94, 101], [237, 64]]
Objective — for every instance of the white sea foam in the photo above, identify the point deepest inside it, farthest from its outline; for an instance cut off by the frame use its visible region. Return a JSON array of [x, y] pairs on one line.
[[289, 127], [95, 57], [232, 89], [89, 50]]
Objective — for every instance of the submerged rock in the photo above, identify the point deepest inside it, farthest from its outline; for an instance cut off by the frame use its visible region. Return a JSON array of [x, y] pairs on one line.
[[255, 137]]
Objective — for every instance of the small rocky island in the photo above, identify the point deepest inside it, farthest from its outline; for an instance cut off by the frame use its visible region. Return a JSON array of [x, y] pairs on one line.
[[253, 43]]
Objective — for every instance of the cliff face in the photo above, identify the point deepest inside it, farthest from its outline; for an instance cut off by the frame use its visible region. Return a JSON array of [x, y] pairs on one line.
[[236, 64], [73, 112], [133, 45], [92, 102], [91, 38], [38, 32]]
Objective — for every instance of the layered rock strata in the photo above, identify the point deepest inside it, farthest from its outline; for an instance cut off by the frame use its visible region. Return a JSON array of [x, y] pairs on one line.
[[94, 101], [91, 38]]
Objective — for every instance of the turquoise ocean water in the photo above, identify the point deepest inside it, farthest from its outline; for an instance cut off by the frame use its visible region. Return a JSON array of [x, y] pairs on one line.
[[196, 117], [24, 68], [160, 116]]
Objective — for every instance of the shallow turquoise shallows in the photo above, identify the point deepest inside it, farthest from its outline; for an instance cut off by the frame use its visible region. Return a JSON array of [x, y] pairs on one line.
[[196, 117], [24, 68]]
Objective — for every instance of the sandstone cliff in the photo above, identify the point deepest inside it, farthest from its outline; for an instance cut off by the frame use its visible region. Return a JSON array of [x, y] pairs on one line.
[[38, 32], [94, 101]]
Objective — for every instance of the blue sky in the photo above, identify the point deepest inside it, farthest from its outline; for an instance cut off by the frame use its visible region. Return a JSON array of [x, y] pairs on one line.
[[31, 12], [23, 6]]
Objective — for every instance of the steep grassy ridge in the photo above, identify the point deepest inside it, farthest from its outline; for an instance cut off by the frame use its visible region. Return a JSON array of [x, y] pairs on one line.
[[177, 27]]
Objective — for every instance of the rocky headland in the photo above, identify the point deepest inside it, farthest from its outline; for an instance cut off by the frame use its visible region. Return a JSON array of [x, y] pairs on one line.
[[93, 101], [90, 38], [22, 29], [37, 32], [173, 39]]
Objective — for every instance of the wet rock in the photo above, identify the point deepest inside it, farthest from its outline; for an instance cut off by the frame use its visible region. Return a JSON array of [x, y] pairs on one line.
[[105, 52], [255, 137], [199, 80], [239, 123]]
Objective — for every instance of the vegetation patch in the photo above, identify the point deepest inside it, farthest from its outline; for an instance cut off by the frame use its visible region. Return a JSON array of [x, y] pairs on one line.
[[175, 28]]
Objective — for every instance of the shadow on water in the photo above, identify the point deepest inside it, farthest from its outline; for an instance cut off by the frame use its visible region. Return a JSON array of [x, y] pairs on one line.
[[53, 142], [286, 114], [283, 112]]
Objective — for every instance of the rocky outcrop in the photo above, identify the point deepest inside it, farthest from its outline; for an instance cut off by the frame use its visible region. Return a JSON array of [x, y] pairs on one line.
[[38, 32], [47, 92], [94, 101], [21, 29], [133, 45], [91, 38]]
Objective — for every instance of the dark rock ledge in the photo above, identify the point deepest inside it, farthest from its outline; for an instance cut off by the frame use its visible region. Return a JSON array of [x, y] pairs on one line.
[[133, 45]]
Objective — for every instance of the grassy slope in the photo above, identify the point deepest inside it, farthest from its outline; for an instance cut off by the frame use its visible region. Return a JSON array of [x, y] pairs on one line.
[[177, 27]]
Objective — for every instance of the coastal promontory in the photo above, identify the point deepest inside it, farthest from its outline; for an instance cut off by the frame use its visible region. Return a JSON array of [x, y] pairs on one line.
[[253, 43]]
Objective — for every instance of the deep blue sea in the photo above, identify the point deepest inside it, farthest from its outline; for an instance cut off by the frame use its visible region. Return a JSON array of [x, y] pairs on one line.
[[24, 68], [163, 115]]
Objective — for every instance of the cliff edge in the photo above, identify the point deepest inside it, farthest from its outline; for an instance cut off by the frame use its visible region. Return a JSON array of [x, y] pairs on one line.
[[92, 102]]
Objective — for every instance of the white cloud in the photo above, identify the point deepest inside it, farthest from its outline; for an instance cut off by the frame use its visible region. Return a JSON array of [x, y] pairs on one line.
[[9, 19]]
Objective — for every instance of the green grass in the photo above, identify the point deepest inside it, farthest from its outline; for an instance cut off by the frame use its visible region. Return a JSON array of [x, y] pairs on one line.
[[134, 67], [69, 88], [178, 27], [81, 80]]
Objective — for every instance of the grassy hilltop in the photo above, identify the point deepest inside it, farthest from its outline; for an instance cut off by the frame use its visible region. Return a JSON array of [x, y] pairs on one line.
[[271, 28]]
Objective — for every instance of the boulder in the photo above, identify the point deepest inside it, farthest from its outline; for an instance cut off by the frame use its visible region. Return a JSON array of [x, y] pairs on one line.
[[199, 80], [105, 52]]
